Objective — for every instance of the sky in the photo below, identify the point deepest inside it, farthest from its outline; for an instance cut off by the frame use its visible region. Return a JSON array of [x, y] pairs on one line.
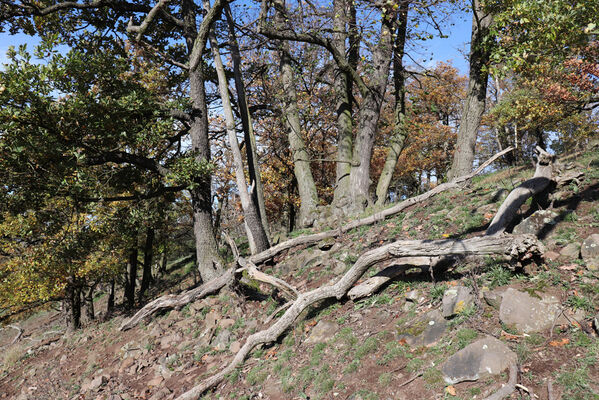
[[428, 53]]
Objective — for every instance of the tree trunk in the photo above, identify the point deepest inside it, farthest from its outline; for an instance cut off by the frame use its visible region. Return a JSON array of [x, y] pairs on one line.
[[131, 278], [343, 93], [301, 157], [399, 130], [256, 233], [209, 261], [89, 303], [71, 306], [110, 302], [474, 105], [257, 193], [370, 111], [147, 278]]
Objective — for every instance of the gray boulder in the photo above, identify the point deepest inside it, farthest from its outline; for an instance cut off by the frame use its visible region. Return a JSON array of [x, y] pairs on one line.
[[535, 312], [571, 251], [485, 357], [322, 332], [455, 300], [536, 222], [590, 252], [425, 330]]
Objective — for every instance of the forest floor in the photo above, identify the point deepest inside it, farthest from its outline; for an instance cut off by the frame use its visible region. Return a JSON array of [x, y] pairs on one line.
[[366, 349]]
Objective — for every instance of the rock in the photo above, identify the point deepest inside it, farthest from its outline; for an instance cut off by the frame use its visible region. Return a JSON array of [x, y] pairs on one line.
[[326, 244], [114, 397], [455, 300], [590, 252], [235, 346], [488, 356], [98, 382], [551, 255], [493, 298], [157, 380], [339, 267], [425, 330], [63, 359], [211, 319], [322, 332], [528, 313], [596, 323], [161, 394], [572, 251], [221, 341], [226, 323], [538, 221], [415, 296], [170, 340], [127, 363]]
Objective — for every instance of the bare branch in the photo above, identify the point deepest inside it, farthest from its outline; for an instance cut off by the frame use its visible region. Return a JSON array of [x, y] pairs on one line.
[[141, 29]]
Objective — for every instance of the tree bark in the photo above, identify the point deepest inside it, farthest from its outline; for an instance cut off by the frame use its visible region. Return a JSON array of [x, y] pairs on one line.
[[512, 203], [131, 278], [251, 150], [301, 157], [147, 278], [110, 301], [343, 84], [256, 232], [89, 303], [209, 261], [71, 305], [399, 129], [474, 105], [369, 114]]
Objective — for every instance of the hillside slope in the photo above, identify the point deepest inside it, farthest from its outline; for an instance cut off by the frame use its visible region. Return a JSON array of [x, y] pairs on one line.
[[400, 343]]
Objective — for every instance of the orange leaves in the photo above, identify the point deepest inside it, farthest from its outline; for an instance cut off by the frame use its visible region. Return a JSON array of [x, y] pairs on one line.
[[559, 343]]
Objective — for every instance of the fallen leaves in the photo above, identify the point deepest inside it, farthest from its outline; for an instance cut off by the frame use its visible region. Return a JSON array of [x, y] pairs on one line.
[[451, 390], [559, 342]]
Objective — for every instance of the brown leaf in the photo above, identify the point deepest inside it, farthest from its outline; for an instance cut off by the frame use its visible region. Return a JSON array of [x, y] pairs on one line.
[[451, 390], [559, 343]]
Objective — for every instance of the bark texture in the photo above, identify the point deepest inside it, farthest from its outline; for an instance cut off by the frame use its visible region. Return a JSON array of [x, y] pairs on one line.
[[256, 233], [343, 13], [257, 193], [291, 119], [474, 105], [131, 278], [507, 211], [147, 278], [400, 132]]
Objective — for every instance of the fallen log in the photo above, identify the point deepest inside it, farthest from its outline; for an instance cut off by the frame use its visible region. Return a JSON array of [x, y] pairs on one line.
[[541, 179], [518, 247], [376, 217]]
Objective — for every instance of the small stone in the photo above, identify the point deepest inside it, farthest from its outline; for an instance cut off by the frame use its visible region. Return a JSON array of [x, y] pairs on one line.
[[326, 244], [339, 267], [98, 382], [596, 323], [63, 359], [114, 397], [161, 394], [127, 363], [221, 341], [226, 323], [488, 356], [322, 332], [571, 251], [493, 298], [211, 319], [157, 380], [455, 300], [551, 255], [235, 346]]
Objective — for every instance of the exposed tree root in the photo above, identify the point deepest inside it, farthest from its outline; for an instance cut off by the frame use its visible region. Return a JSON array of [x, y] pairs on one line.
[[508, 388], [541, 179], [177, 301], [372, 284], [377, 217], [517, 247]]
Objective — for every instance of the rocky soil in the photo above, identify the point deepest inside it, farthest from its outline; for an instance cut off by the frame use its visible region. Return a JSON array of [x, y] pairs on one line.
[[461, 333]]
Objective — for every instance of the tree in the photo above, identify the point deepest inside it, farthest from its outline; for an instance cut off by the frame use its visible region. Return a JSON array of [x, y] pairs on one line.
[[474, 105]]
